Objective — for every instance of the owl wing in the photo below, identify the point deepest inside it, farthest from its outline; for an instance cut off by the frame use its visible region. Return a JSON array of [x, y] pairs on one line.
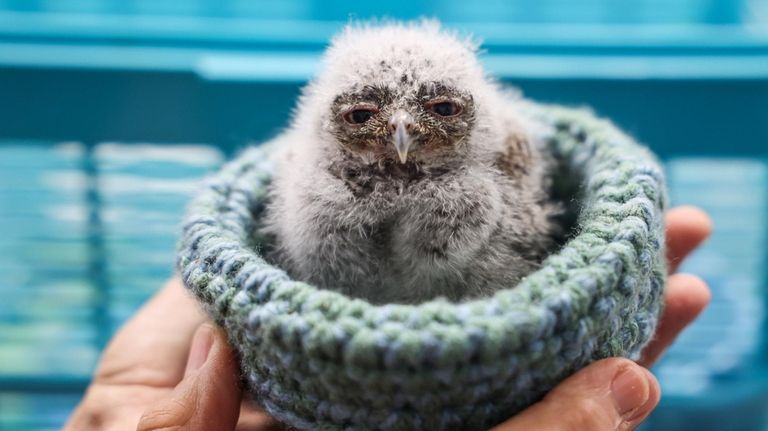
[[515, 157]]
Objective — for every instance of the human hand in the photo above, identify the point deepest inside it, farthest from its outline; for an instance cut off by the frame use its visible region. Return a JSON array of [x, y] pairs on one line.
[[168, 368], [155, 375], [615, 393]]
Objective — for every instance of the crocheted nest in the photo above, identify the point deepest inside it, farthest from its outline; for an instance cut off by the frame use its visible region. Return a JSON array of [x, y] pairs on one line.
[[317, 359]]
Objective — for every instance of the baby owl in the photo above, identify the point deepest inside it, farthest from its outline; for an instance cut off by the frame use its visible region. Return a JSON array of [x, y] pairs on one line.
[[407, 174]]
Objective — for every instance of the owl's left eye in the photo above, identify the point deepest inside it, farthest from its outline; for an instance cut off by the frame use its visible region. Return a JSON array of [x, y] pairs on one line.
[[444, 108], [359, 115]]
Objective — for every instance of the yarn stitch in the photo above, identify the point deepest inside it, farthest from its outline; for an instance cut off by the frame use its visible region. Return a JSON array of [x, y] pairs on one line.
[[317, 359]]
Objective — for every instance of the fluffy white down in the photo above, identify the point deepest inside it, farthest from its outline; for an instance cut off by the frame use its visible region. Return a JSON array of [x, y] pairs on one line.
[[306, 199]]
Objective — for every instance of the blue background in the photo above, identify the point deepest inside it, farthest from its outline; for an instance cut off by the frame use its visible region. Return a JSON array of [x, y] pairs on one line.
[[111, 111]]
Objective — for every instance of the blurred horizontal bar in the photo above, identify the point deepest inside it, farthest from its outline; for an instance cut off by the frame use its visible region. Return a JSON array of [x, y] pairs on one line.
[[43, 383], [313, 34], [298, 67], [675, 117]]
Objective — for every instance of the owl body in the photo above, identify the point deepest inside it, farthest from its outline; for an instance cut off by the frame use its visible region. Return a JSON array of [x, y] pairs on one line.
[[464, 212]]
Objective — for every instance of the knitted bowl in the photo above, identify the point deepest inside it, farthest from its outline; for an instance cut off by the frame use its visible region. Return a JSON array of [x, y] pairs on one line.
[[317, 359]]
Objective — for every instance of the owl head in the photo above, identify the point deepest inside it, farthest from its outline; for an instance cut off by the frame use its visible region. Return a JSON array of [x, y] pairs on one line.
[[404, 93]]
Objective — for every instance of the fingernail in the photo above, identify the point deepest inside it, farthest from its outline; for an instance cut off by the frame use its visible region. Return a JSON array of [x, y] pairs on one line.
[[201, 346], [630, 390]]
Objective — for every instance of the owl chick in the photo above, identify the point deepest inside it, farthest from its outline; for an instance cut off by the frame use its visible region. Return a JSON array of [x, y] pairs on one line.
[[407, 174]]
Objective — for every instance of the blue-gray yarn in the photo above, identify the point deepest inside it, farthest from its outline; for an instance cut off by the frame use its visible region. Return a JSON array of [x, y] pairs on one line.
[[317, 359]]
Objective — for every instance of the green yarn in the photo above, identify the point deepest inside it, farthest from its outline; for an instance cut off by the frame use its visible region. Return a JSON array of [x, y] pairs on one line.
[[317, 359]]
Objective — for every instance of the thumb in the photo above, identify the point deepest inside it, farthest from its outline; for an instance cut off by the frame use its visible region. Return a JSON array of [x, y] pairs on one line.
[[208, 397], [611, 394]]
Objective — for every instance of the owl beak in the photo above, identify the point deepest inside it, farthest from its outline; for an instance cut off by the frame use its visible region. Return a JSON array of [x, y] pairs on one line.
[[401, 125]]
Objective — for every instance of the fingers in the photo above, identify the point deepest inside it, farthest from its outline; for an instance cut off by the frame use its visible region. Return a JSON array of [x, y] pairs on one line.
[[687, 227], [151, 348], [686, 297], [612, 394], [209, 395], [254, 418]]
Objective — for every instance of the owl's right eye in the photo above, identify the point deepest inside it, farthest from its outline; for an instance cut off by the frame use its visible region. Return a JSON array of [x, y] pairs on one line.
[[359, 115]]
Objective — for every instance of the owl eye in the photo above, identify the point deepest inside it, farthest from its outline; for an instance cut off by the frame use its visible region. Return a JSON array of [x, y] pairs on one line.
[[359, 115], [444, 108]]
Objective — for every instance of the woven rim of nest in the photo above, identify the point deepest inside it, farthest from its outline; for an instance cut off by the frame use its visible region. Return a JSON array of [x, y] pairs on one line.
[[317, 358]]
